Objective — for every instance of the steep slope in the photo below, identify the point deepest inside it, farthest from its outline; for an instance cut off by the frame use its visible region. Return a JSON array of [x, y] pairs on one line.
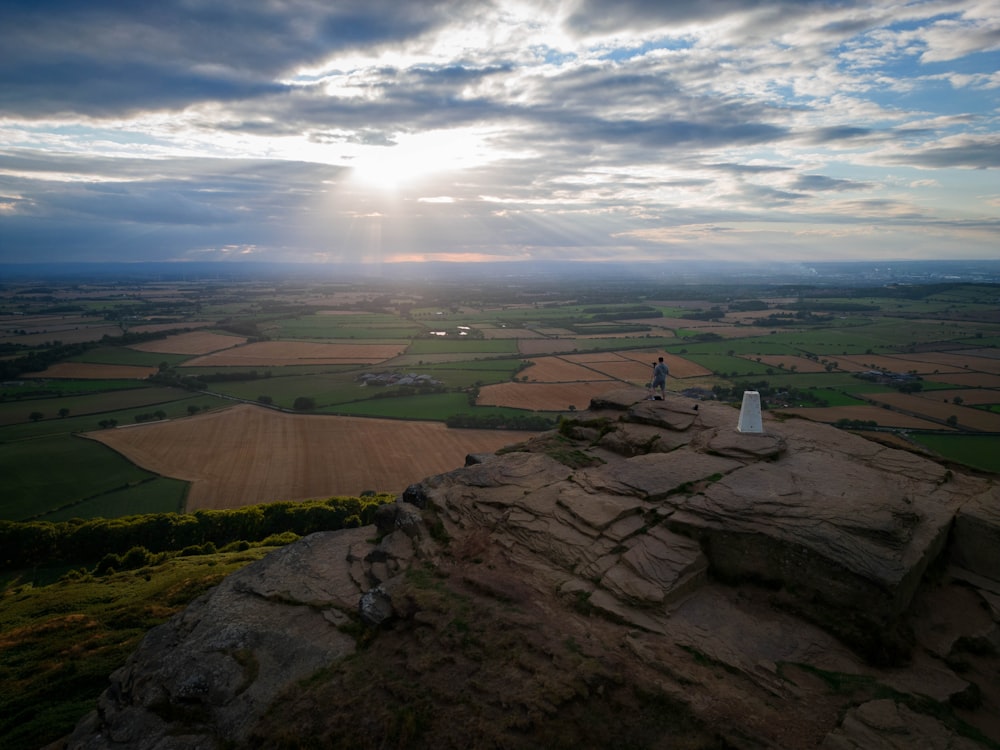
[[645, 577]]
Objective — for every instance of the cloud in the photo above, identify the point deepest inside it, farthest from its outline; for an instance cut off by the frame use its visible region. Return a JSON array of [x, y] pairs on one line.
[[102, 57], [965, 151], [817, 182], [569, 128]]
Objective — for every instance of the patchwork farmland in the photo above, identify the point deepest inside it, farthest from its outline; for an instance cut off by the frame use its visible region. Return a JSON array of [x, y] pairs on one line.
[[247, 392]]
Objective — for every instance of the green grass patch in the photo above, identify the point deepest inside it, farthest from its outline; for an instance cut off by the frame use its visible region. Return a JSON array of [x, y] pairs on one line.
[[63, 640], [52, 425], [120, 355], [325, 389], [835, 398], [727, 366], [265, 372], [59, 471], [462, 346], [96, 403], [46, 388], [754, 345], [354, 326], [977, 451], [154, 495]]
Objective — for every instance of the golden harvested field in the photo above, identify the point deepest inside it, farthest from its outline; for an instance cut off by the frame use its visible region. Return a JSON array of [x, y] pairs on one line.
[[895, 364], [683, 368], [279, 353], [884, 417], [977, 419], [958, 360], [968, 395], [559, 370], [618, 366], [86, 371], [248, 454], [197, 342], [542, 396]]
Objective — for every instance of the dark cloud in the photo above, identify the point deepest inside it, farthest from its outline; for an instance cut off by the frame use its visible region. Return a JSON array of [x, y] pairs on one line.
[[837, 133], [103, 56], [970, 153], [748, 168], [818, 183], [593, 16]]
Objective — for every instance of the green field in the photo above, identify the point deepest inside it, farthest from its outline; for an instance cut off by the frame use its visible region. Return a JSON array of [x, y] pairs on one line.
[[354, 326], [434, 406], [980, 452], [24, 428], [471, 347], [119, 355], [71, 476], [43, 389], [855, 321]]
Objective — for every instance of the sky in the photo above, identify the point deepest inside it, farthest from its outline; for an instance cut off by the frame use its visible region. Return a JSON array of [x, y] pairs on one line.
[[378, 131]]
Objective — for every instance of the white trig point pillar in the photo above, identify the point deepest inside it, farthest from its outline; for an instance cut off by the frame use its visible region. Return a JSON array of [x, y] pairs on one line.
[[750, 419]]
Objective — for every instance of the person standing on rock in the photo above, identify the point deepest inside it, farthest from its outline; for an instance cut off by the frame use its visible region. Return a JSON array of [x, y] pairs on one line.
[[660, 373]]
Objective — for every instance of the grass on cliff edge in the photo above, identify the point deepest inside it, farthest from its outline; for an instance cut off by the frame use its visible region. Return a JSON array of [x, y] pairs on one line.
[[60, 642]]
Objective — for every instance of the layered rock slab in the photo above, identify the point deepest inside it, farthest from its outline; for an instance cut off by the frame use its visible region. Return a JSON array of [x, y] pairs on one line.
[[841, 528]]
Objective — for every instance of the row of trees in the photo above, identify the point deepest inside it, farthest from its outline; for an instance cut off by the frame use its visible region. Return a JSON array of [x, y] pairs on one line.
[[26, 544], [527, 422]]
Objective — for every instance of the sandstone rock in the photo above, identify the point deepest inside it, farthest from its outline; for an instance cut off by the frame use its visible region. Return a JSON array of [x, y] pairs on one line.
[[224, 659], [375, 607], [741, 445], [977, 534], [655, 476], [415, 495], [886, 725], [627, 559]]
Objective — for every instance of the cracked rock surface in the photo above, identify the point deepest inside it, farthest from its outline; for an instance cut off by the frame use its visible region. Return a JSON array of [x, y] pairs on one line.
[[645, 576]]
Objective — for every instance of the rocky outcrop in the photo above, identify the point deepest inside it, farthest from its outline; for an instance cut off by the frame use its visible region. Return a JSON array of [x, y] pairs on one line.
[[802, 587]]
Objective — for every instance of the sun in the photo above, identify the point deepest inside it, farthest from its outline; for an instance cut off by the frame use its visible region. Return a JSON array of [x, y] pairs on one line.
[[389, 167], [415, 158]]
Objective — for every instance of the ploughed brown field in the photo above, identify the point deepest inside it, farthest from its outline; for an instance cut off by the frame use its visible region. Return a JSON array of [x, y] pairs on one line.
[[864, 413], [248, 454]]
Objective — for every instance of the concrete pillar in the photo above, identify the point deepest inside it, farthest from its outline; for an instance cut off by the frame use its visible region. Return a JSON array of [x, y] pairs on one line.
[[750, 419]]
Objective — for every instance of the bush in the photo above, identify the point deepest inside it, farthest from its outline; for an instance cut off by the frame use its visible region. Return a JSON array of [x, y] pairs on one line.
[[304, 403]]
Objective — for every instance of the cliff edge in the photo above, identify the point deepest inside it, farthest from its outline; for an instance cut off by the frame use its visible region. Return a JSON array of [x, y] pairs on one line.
[[646, 576]]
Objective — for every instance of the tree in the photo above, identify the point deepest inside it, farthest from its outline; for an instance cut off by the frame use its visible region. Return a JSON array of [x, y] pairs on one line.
[[266, 400], [63, 413], [304, 403], [35, 416], [193, 409]]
